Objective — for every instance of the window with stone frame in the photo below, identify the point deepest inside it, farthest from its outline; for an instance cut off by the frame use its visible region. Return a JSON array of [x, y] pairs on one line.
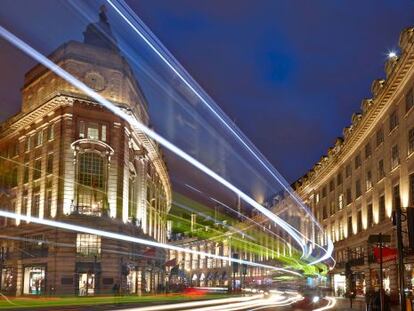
[[395, 156], [393, 119], [91, 184], [381, 169], [380, 136], [368, 150], [381, 208], [358, 191], [370, 215], [359, 221], [340, 201], [88, 244], [339, 179], [357, 161], [331, 185], [37, 169], [368, 180], [411, 189], [348, 196], [348, 170], [409, 100], [350, 231], [411, 141]]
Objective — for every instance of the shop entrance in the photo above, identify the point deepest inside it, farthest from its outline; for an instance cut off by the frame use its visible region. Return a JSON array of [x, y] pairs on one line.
[[86, 284], [34, 280]]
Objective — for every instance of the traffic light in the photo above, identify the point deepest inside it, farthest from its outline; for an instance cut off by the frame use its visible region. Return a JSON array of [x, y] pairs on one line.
[[410, 226]]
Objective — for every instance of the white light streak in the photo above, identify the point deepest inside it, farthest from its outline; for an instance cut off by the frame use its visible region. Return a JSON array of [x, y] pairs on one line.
[[181, 73], [127, 238], [141, 127]]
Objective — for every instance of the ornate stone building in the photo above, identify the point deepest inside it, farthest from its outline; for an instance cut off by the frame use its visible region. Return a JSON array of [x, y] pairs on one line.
[[65, 157], [354, 188]]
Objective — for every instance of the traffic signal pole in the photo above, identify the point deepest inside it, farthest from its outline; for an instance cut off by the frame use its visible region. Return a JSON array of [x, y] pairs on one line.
[[400, 248]]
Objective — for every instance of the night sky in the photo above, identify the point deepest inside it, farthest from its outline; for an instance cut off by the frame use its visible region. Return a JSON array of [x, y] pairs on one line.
[[289, 73]]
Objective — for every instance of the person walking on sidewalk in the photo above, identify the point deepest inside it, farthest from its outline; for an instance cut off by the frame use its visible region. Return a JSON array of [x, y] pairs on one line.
[[369, 298]]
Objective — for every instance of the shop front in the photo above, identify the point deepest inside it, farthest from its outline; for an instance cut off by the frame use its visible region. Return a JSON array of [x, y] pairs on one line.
[[339, 284], [8, 279], [34, 280]]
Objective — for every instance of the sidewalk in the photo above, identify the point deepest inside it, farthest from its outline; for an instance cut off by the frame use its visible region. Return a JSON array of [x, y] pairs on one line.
[[358, 304]]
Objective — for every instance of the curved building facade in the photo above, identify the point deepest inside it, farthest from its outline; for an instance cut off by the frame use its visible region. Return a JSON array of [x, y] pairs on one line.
[[368, 172], [66, 158]]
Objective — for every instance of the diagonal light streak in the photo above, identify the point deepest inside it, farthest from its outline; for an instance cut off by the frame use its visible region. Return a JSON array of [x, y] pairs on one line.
[[163, 54], [139, 126], [127, 238]]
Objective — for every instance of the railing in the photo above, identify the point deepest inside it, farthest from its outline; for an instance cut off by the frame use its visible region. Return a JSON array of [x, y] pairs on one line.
[[34, 252]]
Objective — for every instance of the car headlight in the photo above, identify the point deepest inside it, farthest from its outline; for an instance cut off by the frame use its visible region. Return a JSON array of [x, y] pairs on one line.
[[315, 299]]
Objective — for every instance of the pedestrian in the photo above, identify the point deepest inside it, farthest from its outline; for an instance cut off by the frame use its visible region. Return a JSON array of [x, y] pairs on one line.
[[369, 297]]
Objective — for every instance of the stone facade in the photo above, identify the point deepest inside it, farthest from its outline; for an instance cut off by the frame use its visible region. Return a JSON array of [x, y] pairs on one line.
[[64, 157], [353, 190]]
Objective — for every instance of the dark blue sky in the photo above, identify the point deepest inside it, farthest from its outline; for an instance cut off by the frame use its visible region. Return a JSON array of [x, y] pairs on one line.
[[290, 73]]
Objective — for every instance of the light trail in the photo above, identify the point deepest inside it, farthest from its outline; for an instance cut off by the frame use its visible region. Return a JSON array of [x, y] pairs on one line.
[[127, 238], [181, 73], [186, 305], [330, 305], [139, 126]]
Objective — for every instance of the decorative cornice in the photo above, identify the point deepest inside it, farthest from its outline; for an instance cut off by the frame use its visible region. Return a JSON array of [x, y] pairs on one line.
[[383, 93]]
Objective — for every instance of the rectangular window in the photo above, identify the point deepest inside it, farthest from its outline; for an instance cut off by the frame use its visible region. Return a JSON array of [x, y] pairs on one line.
[[340, 201], [348, 196], [350, 231], [348, 170], [26, 173], [331, 185], [409, 100], [49, 167], [48, 202], [27, 144], [369, 180], [359, 221], [380, 136], [381, 170], [339, 179], [341, 229], [357, 161], [381, 205], [324, 212], [81, 129], [35, 204], [411, 189], [358, 191], [393, 120], [51, 132], [332, 207], [88, 244], [395, 156], [24, 206], [93, 131], [411, 141], [323, 192], [370, 215], [368, 151], [39, 138], [103, 132], [37, 170]]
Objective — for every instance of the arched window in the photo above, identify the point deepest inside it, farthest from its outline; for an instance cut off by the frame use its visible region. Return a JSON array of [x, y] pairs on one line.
[[91, 184]]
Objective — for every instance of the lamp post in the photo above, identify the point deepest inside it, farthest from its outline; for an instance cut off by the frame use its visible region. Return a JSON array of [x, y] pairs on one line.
[[400, 247]]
